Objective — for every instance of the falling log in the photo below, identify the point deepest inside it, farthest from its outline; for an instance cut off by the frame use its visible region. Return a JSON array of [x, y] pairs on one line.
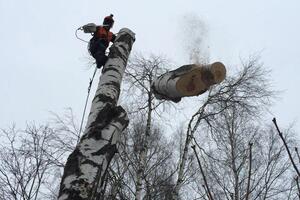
[[86, 167], [188, 80]]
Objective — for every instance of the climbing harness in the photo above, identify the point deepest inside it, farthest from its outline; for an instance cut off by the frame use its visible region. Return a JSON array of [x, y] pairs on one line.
[[87, 99]]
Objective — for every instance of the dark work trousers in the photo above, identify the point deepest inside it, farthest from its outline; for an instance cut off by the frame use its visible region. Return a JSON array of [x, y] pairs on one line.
[[97, 50]]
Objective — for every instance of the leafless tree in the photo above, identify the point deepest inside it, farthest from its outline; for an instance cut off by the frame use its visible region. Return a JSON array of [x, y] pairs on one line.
[[158, 169], [226, 156], [140, 73], [28, 160], [32, 159], [247, 89]]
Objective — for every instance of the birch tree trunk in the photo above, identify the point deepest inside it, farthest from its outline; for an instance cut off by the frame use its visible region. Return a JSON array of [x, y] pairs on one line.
[[144, 150], [188, 80], [86, 167]]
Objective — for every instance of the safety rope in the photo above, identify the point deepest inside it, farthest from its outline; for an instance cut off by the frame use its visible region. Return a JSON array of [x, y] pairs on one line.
[[87, 98], [90, 83]]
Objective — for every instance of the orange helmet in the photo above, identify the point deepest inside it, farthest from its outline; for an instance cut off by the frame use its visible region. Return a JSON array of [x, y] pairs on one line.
[[108, 21]]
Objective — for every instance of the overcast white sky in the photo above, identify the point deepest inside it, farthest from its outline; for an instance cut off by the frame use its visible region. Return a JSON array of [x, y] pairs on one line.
[[43, 65]]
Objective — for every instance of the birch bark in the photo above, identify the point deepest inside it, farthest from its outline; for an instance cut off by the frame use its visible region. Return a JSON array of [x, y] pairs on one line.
[[86, 167]]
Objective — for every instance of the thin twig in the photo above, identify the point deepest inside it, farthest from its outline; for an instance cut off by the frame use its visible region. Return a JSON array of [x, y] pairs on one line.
[[203, 175], [249, 172], [296, 149], [206, 192], [286, 147], [297, 183]]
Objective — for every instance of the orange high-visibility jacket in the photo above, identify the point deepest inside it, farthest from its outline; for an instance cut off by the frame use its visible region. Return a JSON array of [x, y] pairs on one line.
[[105, 35]]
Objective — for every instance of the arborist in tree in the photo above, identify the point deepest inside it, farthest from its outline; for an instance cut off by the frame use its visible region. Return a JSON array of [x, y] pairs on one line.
[[100, 41]]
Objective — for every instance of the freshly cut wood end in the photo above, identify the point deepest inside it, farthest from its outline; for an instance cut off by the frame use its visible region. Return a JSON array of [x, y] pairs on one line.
[[191, 84], [198, 79], [219, 71]]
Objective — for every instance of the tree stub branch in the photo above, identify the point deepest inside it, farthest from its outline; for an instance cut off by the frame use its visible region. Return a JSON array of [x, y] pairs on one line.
[[286, 146]]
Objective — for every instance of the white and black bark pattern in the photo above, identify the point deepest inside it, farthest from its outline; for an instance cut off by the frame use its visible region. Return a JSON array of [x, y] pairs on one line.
[[188, 80], [86, 167]]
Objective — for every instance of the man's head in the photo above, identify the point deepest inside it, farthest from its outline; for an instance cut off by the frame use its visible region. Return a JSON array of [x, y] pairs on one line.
[[108, 21]]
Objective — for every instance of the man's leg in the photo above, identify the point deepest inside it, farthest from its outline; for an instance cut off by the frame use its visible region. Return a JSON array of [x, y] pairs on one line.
[[101, 59]]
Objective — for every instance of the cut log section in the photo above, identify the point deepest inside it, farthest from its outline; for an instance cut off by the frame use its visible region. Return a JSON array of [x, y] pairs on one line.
[[188, 80]]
